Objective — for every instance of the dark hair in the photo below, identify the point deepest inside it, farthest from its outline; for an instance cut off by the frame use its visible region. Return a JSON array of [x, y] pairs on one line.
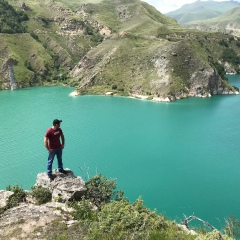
[[56, 121]]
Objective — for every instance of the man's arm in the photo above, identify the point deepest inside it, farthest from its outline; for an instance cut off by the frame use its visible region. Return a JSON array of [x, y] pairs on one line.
[[63, 140], [45, 141]]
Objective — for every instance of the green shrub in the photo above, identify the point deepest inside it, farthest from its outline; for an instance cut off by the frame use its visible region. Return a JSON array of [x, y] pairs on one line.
[[41, 194], [229, 55], [232, 228], [14, 200], [34, 35], [28, 65], [220, 69], [101, 190], [83, 210], [223, 43], [11, 20], [122, 215], [123, 220], [114, 86], [17, 197], [238, 43]]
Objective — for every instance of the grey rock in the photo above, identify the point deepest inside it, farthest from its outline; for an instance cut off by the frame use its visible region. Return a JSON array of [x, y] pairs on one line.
[[64, 187], [4, 195]]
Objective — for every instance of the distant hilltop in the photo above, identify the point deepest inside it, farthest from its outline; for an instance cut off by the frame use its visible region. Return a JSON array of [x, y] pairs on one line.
[[202, 10]]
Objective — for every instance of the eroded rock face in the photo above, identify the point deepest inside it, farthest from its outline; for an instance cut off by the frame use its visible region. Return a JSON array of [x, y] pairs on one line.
[[28, 217], [64, 186]]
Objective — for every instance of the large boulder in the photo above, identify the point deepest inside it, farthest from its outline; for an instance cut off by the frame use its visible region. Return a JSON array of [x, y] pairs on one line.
[[65, 187]]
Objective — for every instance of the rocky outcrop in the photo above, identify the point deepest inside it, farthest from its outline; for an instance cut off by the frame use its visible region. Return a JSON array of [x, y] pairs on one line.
[[66, 187], [229, 68], [191, 76], [123, 13], [31, 221], [28, 216], [176, 72]]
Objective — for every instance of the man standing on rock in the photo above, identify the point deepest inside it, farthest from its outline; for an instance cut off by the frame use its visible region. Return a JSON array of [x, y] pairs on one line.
[[54, 146]]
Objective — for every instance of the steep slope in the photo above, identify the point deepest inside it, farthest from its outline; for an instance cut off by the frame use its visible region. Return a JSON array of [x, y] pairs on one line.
[[148, 54], [228, 22], [32, 61], [201, 10], [60, 33], [125, 47], [10, 19]]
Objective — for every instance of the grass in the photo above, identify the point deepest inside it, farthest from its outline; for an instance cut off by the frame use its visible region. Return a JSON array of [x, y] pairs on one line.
[[22, 47], [135, 59], [75, 4]]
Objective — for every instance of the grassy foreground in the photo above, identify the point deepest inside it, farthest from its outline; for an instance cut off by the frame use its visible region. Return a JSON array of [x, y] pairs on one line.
[[104, 213]]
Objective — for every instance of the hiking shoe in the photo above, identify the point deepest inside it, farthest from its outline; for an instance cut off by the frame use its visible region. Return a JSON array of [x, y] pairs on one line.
[[63, 171], [51, 177]]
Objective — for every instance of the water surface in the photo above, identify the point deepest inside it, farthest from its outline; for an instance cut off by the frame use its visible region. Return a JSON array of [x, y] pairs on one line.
[[180, 157]]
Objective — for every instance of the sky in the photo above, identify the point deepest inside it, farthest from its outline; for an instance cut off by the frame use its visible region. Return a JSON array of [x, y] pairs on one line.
[[165, 6]]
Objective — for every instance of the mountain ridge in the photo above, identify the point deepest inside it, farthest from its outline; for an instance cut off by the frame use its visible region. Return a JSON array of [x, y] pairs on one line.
[[123, 47], [227, 22], [201, 10]]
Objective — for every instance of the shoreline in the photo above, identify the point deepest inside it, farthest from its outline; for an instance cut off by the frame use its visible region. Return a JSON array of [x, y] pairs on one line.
[[150, 98]]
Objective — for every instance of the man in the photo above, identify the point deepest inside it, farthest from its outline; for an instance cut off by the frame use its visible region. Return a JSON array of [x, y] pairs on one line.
[[54, 146]]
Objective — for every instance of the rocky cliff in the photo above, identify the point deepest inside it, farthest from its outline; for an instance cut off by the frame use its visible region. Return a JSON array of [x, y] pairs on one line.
[[29, 217], [24, 214]]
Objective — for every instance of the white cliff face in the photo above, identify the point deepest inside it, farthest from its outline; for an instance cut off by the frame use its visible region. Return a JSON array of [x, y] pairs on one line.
[[12, 78], [7, 73]]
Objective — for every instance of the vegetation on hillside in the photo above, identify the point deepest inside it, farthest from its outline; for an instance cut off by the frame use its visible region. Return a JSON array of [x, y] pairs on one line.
[[104, 213], [114, 46], [11, 20]]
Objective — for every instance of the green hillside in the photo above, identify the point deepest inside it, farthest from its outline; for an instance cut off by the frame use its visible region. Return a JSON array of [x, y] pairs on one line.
[[124, 47], [201, 10], [11, 20], [58, 49]]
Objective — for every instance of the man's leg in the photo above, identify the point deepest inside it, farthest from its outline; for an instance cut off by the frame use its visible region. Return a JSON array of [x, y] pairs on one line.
[[51, 156], [59, 158]]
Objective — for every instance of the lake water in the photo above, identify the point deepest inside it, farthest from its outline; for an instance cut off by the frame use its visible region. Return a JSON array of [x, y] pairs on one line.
[[182, 158]]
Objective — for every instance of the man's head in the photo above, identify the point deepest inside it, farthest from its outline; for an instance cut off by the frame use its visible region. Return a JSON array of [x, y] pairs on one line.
[[56, 122]]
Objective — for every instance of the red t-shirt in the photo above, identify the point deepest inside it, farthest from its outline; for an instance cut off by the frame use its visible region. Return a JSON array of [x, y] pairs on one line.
[[54, 138]]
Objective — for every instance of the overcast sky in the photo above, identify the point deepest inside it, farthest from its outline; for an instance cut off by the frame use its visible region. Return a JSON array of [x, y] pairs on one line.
[[165, 6]]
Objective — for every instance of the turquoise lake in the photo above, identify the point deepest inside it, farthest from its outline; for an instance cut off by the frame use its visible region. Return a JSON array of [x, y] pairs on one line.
[[182, 158]]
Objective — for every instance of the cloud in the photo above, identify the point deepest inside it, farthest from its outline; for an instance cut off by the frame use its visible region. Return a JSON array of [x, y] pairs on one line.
[[165, 6]]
